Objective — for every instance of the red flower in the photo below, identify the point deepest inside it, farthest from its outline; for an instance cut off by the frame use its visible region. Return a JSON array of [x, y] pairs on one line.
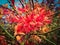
[[28, 23], [48, 21], [6, 12], [31, 22], [40, 18], [21, 9]]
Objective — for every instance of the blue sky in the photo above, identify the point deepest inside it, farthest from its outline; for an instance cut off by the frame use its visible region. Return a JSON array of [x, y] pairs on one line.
[[6, 1]]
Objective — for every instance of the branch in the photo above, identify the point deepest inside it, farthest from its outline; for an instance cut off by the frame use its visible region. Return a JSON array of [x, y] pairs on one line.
[[33, 4], [21, 3]]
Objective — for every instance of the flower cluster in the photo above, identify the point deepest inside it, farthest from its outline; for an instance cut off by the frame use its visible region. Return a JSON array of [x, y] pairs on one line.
[[27, 20], [31, 21]]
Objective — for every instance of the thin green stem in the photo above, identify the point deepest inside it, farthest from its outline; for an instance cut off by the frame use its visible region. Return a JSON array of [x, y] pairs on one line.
[[7, 32], [50, 41], [53, 30], [47, 39]]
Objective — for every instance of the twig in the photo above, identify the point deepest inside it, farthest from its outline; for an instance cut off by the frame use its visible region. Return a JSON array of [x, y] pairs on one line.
[[21, 3], [32, 4]]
